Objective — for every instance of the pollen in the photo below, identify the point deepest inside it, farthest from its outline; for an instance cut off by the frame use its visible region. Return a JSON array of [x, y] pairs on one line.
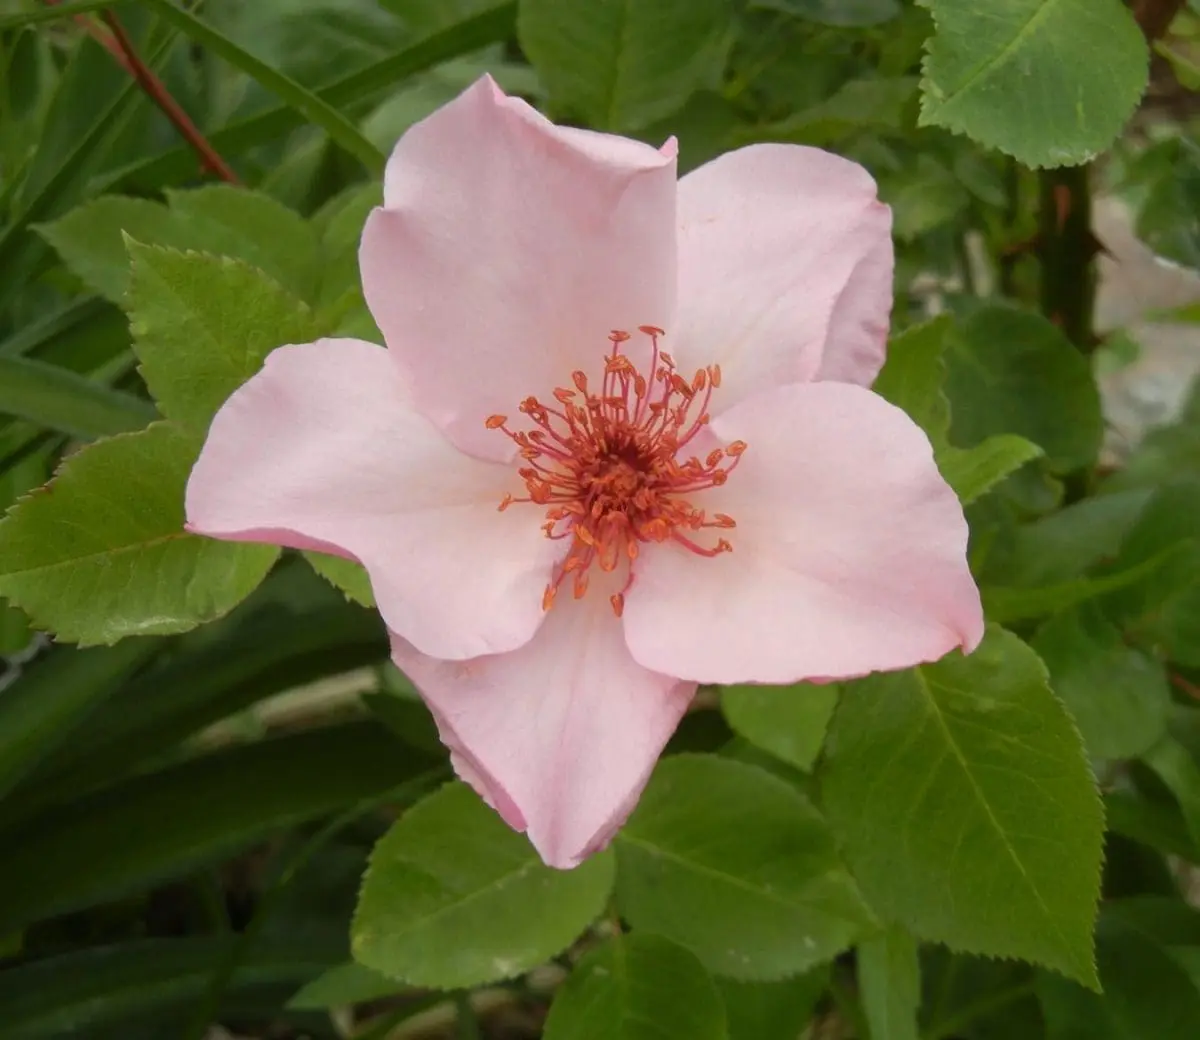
[[610, 464]]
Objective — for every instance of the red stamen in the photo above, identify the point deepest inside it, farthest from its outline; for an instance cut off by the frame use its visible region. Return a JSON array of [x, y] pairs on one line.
[[611, 468]]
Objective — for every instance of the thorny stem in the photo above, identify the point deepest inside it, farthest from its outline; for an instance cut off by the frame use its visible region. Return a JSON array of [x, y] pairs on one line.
[[1155, 16], [117, 42], [1012, 210], [1068, 251], [1065, 241]]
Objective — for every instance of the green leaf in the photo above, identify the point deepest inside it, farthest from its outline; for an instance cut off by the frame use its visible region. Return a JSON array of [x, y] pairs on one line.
[[1165, 454], [736, 865], [1152, 823], [61, 400], [624, 63], [1065, 544], [787, 721], [87, 992], [637, 987], [1004, 604], [1166, 220], [1174, 765], [966, 808], [52, 699], [250, 226], [879, 105], [912, 379], [1050, 82], [1147, 993], [1117, 694], [974, 471], [889, 976], [346, 984], [316, 110], [1012, 372], [346, 575], [925, 195], [202, 326], [341, 232], [912, 376], [453, 897], [218, 219], [843, 13], [100, 553], [771, 1010], [160, 825], [1163, 612], [89, 239]]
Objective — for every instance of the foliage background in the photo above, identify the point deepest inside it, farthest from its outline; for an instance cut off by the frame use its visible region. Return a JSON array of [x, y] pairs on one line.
[[197, 770]]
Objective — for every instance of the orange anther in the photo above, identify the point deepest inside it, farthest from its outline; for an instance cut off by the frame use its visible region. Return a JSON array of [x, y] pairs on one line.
[[609, 467]]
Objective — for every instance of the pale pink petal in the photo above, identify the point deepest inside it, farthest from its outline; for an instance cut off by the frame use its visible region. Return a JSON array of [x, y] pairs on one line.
[[559, 736], [323, 449], [785, 270], [849, 554], [507, 250]]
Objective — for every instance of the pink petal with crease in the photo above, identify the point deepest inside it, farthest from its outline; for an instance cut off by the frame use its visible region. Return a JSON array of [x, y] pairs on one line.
[[507, 249], [559, 736], [785, 270], [323, 449], [849, 554]]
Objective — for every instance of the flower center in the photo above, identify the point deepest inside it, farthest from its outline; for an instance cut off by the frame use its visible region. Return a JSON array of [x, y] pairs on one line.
[[609, 464]]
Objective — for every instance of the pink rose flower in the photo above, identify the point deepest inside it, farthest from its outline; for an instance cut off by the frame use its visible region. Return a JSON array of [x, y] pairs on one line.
[[618, 444]]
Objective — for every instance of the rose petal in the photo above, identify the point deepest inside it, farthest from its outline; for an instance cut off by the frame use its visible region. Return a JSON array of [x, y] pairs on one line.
[[849, 554], [507, 250], [559, 736], [785, 270], [323, 449]]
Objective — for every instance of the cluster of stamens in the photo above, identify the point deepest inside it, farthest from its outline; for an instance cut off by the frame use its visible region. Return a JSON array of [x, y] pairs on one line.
[[608, 466]]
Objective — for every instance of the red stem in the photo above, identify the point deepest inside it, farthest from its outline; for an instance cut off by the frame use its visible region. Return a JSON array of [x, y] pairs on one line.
[[117, 42]]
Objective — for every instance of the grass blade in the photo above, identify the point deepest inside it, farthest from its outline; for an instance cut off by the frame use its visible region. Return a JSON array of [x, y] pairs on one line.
[[51, 14], [46, 703], [493, 25], [19, 247], [311, 106], [161, 825], [67, 402]]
